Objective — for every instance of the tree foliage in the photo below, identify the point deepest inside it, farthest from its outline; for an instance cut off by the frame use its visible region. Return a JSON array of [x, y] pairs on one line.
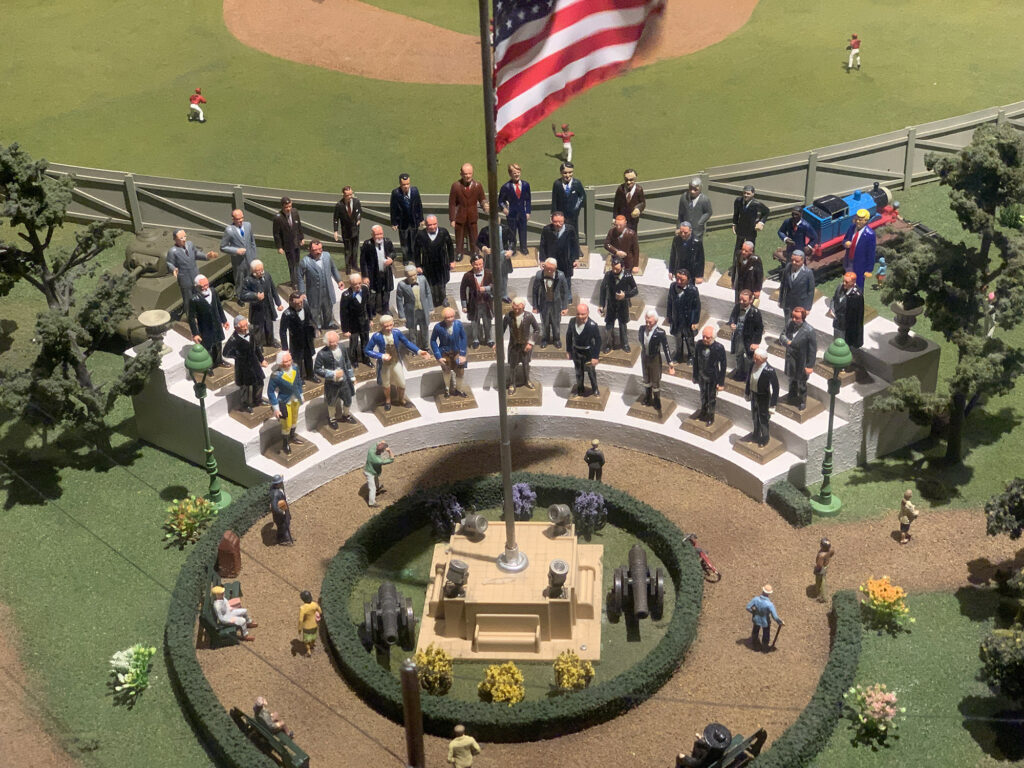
[[1004, 512], [970, 292], [58, 388]]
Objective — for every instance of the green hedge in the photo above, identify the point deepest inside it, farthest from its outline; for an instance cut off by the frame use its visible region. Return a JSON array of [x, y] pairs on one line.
[[529, 720], [216, 729], [802, 741], [790, 502]]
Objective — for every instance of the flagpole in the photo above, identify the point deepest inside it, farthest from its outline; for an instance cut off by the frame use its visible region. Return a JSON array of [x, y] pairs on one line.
[[511, 559]]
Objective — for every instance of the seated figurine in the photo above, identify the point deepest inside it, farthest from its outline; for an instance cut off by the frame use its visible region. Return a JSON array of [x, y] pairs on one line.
[[261, 711], [707, 748], [228, 615]]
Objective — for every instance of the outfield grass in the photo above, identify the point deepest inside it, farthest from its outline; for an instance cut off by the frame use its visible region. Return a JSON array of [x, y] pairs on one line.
[[104, 83], [951, 716], [457, 15]]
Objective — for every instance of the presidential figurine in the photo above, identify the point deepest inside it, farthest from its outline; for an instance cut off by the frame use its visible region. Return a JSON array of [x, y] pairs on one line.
[[288, 236], [617, 288], [376, 257], [332, 364], [506, 252], [687, 253], [354, 310], [747, 331], [629, 199], [583, 347], [448, 343], [415, 303], [239, 242], [298, 335], [762, 391], [796, 235], [622, 244], [568, 196], [348, 215], [747, 271], [284, 392], [683, 315], [796, 285], [748, 217], [260, 293], [406, 210], [801, 349], [558, 241], [317, 279], [181, 261], [388, 347], [695, 207], [551, 300], [465, 198], [434, 253], [515, 202], [475, 294], [709, 373], [523, 331], [206, 319], [847, 312], [860, 248], [249, 364], [653, 347]]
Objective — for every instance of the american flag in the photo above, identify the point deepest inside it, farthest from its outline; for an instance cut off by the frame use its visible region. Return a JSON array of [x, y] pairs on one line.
[[547, 51]]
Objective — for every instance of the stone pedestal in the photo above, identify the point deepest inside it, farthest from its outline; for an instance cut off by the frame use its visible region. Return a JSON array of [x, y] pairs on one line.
[[715, 430], [454, 402], [417, 363], [482, 354], [813, 408], [758, 453], [220, 377], [642, 263], [365, 373], [589, 403], [620, 357], [738, 388], [299, 452], [345, 431], [550, 352], [396, 415], [636, 308], [253, 420], [640, 411], [846, 376], [526, 398], [311, 391]]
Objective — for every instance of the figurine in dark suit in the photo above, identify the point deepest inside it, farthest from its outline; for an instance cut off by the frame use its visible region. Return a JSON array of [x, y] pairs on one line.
[[629, 199], [568, 196], [354, 310], [583, 347], [551, 299], [508, 250], [622, 244], [523, 331], [748, 217], [207, 320], [847, 311], [475, 294], [801, 349], [348, 214], [288, 236], [617, 288], [515, 202], [683, 315], [796, 235], [653, 347], [298, 335], [762, 391], [709, 373], [695, 207], [796, 285], [747, 272], [747, 331], [249, 364], [260, 293], [687, 253], [406, 213], [465, 198], [434, 253], [860, 244], [594, 458], [376, 257], [181, 262], [332, 364], [558, 241]]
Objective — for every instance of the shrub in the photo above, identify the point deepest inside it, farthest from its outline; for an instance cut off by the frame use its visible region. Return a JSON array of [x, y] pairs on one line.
[[1004, 512], [445, 514], [503, 683], [1002, 658], [589, 513], [790, 502], [523, 501], [571, 672], [884, 605], [434, 667], [1011, 216], [130, 669], [188, 518], [874, 712]]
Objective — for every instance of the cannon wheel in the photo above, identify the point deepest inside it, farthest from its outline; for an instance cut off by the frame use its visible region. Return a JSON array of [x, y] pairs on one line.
[[407, 619], [368, 619], [615, 597], [656, 593]]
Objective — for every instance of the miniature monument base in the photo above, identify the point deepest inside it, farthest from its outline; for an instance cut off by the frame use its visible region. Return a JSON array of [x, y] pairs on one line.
[[219, 377], [526, 398], [620, 357], [760, 454], [253, 420], [846, 376], [813, 408], [311, 391], [416, 363], [738, 388], [642, 263], [345, 431], [588, 402], [482, 354], [712, 431], [365, 373], [640, 411], [550, 352], [299, 452], [454, 402], [396, 415], [504, 615]]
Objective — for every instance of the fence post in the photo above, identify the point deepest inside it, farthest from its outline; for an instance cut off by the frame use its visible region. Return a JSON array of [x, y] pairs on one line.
[[239, 198], [132, 198], [1001, 117], [590, 220], [812, 174]]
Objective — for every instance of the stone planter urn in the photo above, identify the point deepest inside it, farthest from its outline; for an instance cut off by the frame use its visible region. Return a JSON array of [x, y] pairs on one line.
[[906, 317]]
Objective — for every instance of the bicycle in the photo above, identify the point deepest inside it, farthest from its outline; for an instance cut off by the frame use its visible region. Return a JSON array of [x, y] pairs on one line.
[[711, 573]]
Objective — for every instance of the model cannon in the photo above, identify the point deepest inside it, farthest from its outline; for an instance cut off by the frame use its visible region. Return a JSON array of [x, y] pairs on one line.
[[635, 590], [389, 618]]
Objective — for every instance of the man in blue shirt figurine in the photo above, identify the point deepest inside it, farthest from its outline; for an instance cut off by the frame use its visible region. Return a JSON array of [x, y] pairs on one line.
[[763, 610]]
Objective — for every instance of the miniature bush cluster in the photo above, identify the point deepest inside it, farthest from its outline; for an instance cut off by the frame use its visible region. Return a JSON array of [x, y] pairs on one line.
[[589, 513], [130, 669], [1004, 512], [445, 514], [434, 667], [188, 518], [571, 672], [874, 712], [790, 502], [1002, 658], [523, 501], [884, 605], [503, 684]]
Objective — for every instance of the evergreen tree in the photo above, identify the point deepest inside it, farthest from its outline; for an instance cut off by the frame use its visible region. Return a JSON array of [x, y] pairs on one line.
[[58, 389], [971, 293]]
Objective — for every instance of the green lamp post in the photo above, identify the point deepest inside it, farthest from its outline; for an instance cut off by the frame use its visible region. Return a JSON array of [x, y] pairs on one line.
[[837, 356], [199, 364]]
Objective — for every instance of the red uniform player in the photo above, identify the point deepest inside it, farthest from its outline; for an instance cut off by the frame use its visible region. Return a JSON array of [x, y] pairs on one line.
[[854, 49], [566, 136], [195, 111]]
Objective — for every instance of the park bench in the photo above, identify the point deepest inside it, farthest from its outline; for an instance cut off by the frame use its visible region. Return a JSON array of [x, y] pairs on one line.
[[219, 634], [280, 742]]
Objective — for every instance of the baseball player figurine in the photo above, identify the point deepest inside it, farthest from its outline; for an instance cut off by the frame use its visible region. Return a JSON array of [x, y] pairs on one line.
[[195, 112], [566, 136], [854, 48]]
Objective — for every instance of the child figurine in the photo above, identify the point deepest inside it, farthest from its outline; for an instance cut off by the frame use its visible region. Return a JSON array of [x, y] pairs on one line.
[[309, 620], [908, 514], [880, 272]]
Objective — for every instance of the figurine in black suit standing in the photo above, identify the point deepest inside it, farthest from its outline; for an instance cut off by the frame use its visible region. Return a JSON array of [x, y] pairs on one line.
[[354, 311], [747, 331], [801, 348], [617, 288], [207, 320], [376, 257], [763, 393], [348, 215], [298, 335], [244, 349], [583, 347], [709, 373]]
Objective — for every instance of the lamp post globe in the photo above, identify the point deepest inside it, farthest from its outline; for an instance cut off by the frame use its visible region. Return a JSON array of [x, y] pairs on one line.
[[837, 357], [198, 363]]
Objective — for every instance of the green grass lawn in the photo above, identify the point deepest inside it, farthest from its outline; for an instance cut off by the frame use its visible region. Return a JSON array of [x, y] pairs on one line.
[[407, 565], [104, 83], [952, 717]]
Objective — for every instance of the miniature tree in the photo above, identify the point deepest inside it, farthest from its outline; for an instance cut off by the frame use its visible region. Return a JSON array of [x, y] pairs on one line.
[[1004, 512], [970, 293], [1002, 658], [434, 667], [503, 683], [524, 499], [58, 388], [571, 672], [589, 513]]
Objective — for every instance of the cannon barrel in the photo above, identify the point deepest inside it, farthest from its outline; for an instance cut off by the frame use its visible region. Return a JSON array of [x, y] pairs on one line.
[[387, 610], [638, 580]]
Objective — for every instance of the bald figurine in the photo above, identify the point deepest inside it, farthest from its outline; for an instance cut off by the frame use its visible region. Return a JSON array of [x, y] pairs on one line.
[[583, 347], [709, 373], [333, 365], [376, 257], [551, 299], [239, 242], [464, 199]]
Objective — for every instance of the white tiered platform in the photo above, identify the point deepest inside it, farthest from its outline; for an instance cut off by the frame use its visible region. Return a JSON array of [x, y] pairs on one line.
[[167, 412]]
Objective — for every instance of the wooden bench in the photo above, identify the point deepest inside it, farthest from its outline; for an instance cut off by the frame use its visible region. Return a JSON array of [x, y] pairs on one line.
[[279, 742], [219, 634]]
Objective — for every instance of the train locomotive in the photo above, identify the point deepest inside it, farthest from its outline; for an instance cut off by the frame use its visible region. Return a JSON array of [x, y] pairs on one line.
[[831, 216]]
